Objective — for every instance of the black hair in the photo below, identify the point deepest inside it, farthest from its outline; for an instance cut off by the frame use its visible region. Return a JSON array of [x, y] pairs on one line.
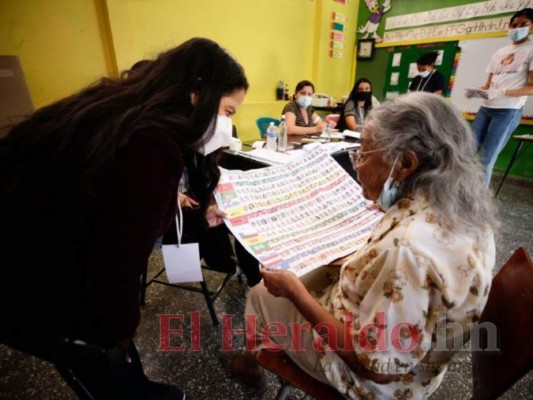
[[341, 125], [300, 85], [526, 12], [428, 58], [106, 114]]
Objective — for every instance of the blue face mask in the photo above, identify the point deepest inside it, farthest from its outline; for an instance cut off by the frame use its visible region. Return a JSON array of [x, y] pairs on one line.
[[305, 101], [518, 34], [391, 191]]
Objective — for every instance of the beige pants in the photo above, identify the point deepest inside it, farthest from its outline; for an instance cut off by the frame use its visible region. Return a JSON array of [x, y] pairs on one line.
[[281, 310]]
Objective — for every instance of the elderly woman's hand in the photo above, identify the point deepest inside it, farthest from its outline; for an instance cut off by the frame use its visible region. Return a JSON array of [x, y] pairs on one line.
[[282, 283]]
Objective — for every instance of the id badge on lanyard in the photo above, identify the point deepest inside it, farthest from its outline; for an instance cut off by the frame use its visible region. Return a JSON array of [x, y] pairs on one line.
[[182, 261]]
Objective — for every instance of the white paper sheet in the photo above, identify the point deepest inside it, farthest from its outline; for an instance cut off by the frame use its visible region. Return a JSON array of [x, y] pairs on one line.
[[299, 215], [182, 264]]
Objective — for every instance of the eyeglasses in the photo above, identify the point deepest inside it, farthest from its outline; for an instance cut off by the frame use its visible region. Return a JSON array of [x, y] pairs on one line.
[[357, 156]]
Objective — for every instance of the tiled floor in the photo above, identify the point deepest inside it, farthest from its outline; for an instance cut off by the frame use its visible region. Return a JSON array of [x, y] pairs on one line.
[[200, 373]]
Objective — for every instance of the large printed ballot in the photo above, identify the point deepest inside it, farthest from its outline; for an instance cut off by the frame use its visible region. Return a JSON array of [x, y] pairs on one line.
[[299, 215]]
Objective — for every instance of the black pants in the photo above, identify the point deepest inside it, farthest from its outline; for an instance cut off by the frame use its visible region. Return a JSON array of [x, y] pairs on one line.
[[97, 373], [217, 252]]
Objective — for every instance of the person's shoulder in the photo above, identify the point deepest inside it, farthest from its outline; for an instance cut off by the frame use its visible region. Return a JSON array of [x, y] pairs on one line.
[[289, 107], [155, 143]]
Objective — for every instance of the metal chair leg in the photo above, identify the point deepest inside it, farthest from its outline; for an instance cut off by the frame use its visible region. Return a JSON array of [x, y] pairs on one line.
[[513, 158]]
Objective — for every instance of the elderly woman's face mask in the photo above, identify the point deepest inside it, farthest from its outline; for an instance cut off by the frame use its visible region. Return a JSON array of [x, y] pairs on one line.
[[391, 191]]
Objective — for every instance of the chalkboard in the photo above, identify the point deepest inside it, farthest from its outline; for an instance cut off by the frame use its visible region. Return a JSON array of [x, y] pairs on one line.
[[401, 67], [471, 72]]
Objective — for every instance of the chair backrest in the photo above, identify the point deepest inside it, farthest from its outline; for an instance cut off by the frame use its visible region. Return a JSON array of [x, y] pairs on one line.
[[263, 123], [510, 309]]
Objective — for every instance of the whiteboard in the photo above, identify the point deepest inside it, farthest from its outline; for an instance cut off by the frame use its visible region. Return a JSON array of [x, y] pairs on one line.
[[471, 72]]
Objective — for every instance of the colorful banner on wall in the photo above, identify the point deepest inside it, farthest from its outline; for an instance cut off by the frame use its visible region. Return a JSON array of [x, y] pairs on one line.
[[436, 24], [338, 26]]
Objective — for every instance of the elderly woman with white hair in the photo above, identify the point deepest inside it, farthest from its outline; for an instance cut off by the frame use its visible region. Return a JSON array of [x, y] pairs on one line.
[[405, 302]]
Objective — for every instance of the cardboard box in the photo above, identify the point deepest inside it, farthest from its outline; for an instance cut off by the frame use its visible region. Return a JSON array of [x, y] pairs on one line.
[[15, 100]]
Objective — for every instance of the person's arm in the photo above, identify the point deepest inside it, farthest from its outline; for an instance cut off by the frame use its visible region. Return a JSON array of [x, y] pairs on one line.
[[440, 83], [319, 122], [415, 81], [138, 194], [293, 129], [187, 202], [349, 115], [526, 90], [351, 123], [486, 86], [286, 284]]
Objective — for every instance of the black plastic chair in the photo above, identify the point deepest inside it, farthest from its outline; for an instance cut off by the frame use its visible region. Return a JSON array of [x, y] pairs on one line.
[[209, 295]]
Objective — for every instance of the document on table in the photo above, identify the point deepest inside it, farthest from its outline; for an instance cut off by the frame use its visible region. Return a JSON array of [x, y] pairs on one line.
[[351, 134], [299, 215]]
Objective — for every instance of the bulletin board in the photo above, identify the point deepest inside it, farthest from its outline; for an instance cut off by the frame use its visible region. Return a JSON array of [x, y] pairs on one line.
[[471, 72], [401, 66]]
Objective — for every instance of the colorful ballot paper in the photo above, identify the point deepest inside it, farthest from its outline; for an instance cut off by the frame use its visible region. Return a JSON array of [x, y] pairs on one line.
[[298, 216]]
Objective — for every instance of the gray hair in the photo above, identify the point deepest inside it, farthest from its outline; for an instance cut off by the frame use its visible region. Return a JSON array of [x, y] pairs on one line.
[[449, 173]]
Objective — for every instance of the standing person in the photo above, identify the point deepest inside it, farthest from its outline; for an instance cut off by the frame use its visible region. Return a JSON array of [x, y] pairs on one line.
[[301, 118], [359, 103], [428, 78], [88, 184], [508, 84], [405, 302]]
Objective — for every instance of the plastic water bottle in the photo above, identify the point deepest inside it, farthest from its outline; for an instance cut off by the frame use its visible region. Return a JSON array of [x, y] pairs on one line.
[[282, 137], [271, 137], [327, 132]]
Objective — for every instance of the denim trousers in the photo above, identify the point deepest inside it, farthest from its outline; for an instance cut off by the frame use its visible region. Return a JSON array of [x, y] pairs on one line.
[[492, 129]]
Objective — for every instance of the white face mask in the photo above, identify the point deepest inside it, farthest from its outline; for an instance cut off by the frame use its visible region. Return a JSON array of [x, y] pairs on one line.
[[305, 101], [391, 190], [221, 137], [424, 74], [518, 34]]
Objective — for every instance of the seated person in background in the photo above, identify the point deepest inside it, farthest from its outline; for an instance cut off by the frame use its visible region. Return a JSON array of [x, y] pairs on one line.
[[404, 302], [301, 118], [359, 103], [429, 79]]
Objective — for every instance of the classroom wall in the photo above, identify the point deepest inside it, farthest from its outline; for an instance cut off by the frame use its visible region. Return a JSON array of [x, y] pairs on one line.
[[66, 45], [375, 70], [59, 44]]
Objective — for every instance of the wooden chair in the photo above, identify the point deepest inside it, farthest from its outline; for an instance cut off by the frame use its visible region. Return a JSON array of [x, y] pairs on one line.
[[509, 308], [292, 376]]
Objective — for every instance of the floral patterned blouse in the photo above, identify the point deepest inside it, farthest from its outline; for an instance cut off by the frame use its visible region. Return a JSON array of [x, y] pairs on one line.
[[414, 278]]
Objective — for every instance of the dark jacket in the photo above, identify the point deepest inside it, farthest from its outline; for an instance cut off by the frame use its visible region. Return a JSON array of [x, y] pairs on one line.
[[77, 260]]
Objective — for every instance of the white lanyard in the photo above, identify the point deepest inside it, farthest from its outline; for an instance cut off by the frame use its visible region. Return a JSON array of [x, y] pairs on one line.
[[425, 83], [179, 223]]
